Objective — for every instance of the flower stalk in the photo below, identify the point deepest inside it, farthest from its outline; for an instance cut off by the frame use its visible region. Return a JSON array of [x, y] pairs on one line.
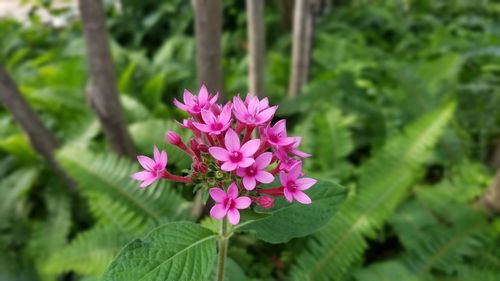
[[223, 243]]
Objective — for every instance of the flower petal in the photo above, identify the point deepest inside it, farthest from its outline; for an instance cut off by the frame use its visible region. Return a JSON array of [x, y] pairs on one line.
[[217, 194], [283, 178], [267, 114], [208, 117], [218, 211], [233, 216], [242, 202], [238, 106], [250, 147], [180, 105], [301, 197], [189, 99], [229, 166], [219, 153], [305, 183], [148, 182], [163, 159], [146, 162], [232, 140], [263, 160], [246, 162], [202, 127], [241, 172], [279, 127], [156, 154], [264, 177], [203, 94], [249, 183], [225, 115], [295, 171], [143, 175], [232, 191], [288, 195]]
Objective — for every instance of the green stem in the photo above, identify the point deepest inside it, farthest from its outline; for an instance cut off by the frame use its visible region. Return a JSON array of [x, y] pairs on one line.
[[223, 241]]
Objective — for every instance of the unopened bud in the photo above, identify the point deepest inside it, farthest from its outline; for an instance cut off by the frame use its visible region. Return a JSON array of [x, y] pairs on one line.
[[200, 167], [173, 138], [203, 147], [265, 202]]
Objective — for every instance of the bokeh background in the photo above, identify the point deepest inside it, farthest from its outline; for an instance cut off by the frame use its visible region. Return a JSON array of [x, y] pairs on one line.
[[397, 100]]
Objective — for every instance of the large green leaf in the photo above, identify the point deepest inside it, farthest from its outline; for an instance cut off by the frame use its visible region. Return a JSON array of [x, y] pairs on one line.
[[275, 224], [177, 251]]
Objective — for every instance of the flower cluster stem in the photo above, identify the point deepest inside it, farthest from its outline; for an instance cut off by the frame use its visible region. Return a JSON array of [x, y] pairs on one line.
[[223, 242]]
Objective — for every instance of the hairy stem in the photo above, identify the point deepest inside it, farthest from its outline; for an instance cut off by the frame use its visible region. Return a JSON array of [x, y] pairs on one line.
[[223, 242]]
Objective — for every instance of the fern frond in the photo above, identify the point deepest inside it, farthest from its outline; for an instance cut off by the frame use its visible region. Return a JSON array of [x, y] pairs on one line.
[[14, 191], [110, 175], [326, 135], [50, 235], [90, 253], [385, 271], [384, 181], [438, 231]]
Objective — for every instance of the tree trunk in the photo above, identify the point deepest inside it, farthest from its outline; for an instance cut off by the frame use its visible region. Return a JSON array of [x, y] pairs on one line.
[[208, 29], [40, 137], [104, 95], [256, 46], [490, 200], [303, 20], [286, 11]]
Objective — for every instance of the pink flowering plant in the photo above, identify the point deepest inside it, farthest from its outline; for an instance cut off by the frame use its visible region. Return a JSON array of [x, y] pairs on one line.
[[248, 168], [235, 147]]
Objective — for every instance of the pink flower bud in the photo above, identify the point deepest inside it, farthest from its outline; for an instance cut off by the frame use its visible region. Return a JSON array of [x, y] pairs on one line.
[[173, 138], [203, 147], [200, 167], [265, 202]]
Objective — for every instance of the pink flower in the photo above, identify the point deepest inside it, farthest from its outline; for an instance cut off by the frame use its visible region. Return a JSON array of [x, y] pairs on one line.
[[255, 172], [228, 204], [253, 113], [234, 155], [276, 135], [293, 187], [286, 162], [292, 148], [194, 104], [153, 169], [215, 125]]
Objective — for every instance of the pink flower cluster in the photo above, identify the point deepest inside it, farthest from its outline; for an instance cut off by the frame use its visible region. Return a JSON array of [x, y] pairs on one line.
[[237, 143]]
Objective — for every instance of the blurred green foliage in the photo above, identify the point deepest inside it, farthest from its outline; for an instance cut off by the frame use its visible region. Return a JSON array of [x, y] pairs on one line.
[[402, 107]]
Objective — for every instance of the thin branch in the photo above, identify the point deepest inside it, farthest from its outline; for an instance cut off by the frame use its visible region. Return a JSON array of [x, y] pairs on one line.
[[42, 140]]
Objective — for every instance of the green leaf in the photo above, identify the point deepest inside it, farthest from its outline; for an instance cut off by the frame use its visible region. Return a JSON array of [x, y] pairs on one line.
[[384, 182], [275, 227], [177, 251]]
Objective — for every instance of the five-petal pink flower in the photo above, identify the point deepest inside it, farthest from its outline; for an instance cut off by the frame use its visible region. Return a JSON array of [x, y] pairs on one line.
[[276, 135], [255, 172], [234, 155], [194, 104], [253, 113], [293, 187], [215, 125], [153, 169], [227, 204]]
